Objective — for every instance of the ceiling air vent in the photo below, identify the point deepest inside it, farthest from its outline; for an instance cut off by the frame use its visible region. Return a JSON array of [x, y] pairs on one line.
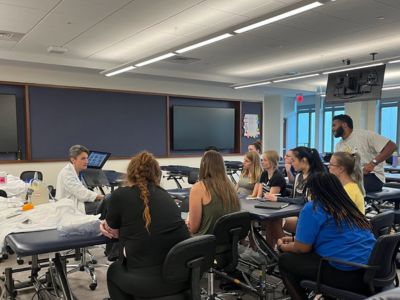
[[183, 60], [10, 36]]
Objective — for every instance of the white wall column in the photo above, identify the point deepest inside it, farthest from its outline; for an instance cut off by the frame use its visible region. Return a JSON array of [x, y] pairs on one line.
[[363, 114], [273, 123]]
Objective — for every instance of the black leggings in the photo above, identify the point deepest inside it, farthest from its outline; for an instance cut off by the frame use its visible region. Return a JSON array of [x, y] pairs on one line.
[[295, 267]]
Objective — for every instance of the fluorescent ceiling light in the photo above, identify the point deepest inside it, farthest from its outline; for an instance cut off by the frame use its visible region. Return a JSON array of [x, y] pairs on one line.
[[203, 43], [120, 71], [394, 61], [322, 95], [352, 68], [158, 58], [252, 84], [297, 77], [279, 17], [388, 88]]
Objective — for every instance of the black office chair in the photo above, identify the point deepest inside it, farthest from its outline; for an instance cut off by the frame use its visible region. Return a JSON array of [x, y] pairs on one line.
[[379, 273], [382, 223], [183, 267], [27, 176], [229, 230]]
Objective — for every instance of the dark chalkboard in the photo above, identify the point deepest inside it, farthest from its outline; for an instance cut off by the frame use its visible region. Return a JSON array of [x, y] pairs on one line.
[[116, 122]]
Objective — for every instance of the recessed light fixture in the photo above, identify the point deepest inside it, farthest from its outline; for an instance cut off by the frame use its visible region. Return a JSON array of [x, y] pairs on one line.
[[155, 59], [120, 71], [295, 78], [279, 17], [203, 43], [352, 68], [394, 61], [380, 18], [250, 85]]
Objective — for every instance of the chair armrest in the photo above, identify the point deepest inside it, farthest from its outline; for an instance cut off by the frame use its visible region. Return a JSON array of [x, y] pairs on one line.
[[348, 263], [339, 261]]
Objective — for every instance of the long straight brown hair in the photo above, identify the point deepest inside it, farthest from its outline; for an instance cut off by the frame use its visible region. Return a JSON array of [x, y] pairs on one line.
[[255, 169], [143, 170], [213, 175]]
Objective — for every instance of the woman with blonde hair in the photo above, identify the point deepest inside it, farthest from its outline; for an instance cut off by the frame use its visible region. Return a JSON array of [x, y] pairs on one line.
[[347, 168], [148, 224], [250, 174], [212, 196]]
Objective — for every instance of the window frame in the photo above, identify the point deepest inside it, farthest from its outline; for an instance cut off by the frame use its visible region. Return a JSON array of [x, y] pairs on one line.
[[385, 104], [309, 109], [332, 107]]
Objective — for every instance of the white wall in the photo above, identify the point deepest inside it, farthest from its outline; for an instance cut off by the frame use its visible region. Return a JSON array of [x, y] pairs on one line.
[[363, 114], [42, 75], [273, 123]]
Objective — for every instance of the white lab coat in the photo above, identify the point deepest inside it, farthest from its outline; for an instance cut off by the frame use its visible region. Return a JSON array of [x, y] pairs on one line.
[[69, 186]]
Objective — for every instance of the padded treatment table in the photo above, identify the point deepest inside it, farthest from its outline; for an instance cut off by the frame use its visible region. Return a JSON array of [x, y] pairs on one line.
[[391, 169], [41, 242], [392, 177], [387, 194]]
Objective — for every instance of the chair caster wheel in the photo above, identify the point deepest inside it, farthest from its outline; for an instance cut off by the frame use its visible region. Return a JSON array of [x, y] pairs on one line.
[[94, 261], [93, 286], [81, 268], [5, 256], [20, 261]]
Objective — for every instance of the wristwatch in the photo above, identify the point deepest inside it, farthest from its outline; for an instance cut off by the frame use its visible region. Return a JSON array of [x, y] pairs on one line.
[[375, 162]]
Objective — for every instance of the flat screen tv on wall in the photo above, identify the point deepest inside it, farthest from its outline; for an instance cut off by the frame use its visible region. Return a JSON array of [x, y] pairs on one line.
[[355, 85], [8, 124], [195, 128]]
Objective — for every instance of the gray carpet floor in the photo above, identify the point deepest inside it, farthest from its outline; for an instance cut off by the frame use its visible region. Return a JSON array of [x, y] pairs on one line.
[[79, 281]]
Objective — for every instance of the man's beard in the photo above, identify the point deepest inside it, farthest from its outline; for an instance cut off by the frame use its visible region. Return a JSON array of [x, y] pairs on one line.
[[339, 132]]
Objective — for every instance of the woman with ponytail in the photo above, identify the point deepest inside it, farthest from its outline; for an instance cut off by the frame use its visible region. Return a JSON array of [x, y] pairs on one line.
[[148, 224], [306, 162], [347, 168]]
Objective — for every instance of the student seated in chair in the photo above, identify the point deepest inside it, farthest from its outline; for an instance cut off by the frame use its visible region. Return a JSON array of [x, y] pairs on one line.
[[148, 224], [330, 225], [347, 168], [212, 196], [250, 175], [70, 186], [272, 183]]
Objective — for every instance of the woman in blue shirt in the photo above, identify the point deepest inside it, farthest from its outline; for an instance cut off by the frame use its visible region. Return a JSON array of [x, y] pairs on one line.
[[329, 226]]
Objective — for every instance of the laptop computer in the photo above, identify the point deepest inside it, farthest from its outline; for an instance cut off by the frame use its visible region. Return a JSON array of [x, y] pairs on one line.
[[271, 205], [97, 159]]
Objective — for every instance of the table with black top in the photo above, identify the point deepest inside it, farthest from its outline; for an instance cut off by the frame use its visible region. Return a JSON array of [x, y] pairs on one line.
[[41, 242]]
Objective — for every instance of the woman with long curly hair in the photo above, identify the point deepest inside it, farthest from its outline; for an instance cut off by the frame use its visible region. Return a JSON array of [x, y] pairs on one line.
[[148, 224]]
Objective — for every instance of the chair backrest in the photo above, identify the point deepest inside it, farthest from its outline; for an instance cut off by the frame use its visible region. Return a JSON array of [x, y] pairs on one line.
[[382, 223], [27, 176], [193, 176], [229, 230], [383, 255], [188, 259]]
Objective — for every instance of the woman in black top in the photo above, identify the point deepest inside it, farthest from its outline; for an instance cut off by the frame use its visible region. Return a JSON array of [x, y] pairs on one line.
[[148, 224], [306, 161], [272, 183]]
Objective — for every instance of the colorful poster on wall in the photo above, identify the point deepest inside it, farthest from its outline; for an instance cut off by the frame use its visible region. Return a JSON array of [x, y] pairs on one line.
[[251, 126]]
